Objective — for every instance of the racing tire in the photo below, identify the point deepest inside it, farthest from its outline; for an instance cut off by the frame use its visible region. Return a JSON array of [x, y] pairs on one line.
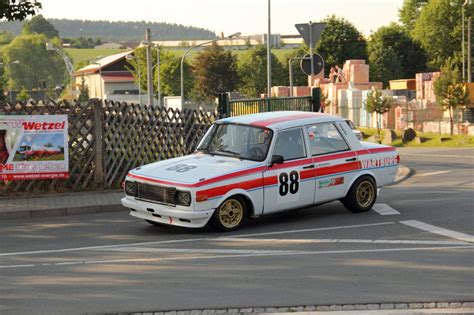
[[362, 195], [230, 215]]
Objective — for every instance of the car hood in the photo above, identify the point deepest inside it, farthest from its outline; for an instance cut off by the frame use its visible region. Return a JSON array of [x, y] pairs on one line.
[[193, 169]]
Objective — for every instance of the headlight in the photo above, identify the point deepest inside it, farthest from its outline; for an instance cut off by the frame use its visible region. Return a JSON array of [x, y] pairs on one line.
[[131, 188], [183, 198]]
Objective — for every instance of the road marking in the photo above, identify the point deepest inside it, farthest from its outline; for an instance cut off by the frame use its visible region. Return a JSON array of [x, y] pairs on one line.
[[65, 250], [311, 230], [200, 250], [352, 241], [440, 231], [439, 155], [435, 173], [384, 209], [200, 257]]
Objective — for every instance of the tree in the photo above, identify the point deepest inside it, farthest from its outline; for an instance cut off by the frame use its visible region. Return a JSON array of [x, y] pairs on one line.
[[36, 64], [83, 91], [5, 38], [339, 42], [450, 92], [438, 29], [253, 72], [39, 25], [376, 103], [13, 10], [409, 13], [215, 71], [23, 96], [393, 54]]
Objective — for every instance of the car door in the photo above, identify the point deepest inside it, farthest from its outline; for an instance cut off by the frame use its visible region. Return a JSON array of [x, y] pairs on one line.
[[335, 163], [287, 185]]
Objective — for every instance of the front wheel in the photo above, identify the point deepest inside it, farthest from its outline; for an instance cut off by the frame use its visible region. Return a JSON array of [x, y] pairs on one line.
[[362, 195], [230, 215]]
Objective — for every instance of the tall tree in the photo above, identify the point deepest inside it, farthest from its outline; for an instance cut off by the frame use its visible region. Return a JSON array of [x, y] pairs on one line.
[[253, 72], [36, 64], [376, 103], [450, 92], [39, 25], [216, 71], [14, 10], [340, 41], [438, 29], [393, 54], [409, 12]]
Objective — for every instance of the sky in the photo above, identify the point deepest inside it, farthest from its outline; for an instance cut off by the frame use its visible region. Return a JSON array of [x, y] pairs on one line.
[[229, 16]]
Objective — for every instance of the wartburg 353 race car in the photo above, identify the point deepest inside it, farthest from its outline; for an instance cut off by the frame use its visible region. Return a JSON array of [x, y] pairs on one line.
[[252, 165]]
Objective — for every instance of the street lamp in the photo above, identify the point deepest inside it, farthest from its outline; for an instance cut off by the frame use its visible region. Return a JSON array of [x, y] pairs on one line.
[[132, 57], [8, 65], [466, 2], [269, 55], [188, 50]]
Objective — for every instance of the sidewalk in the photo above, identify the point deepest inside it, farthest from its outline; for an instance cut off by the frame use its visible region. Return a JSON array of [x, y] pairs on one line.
[[81, 203]]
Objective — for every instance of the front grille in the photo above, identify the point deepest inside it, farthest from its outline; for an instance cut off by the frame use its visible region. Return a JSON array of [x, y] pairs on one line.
[[157, 194]]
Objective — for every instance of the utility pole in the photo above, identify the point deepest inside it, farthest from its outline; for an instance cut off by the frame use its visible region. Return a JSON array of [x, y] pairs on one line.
[[469, 49], [269, 55], [149, 73]]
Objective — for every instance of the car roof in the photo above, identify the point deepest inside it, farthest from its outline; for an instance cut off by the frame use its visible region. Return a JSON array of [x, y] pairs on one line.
[[281, 120]]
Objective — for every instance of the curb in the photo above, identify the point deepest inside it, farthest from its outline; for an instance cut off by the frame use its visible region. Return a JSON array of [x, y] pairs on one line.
[[403, 173], [372, 308]]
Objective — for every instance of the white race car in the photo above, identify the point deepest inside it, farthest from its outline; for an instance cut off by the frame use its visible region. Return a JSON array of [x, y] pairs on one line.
[[252, 165]]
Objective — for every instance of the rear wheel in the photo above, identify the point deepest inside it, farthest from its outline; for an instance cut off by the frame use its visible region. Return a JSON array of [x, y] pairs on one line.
[[230, 214], [362, 195]]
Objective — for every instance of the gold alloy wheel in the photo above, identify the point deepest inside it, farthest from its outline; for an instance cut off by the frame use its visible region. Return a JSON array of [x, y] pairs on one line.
[[365, 194], [231, 213]]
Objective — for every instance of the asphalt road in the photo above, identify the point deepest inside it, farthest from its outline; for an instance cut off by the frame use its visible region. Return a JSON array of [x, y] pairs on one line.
[[417, 247]]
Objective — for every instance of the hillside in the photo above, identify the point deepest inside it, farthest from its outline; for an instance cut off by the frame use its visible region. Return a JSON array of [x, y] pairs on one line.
[[117, 31]]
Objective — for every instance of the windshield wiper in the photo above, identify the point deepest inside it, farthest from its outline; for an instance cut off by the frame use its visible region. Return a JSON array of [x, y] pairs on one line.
[[237, 154]]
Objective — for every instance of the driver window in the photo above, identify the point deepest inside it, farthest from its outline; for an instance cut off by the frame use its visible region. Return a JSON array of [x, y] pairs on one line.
[[290, 145], [325, 138]]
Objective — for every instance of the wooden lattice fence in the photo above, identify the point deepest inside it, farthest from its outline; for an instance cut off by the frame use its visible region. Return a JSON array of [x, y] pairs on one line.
[[106, 139]]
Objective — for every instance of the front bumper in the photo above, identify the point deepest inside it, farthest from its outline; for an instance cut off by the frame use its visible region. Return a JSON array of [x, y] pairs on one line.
[[167, 215]]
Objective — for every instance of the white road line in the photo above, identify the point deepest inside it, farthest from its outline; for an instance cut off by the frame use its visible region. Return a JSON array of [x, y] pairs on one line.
[[384, 209], [434, 173], [65, 250], [438, 155], [200, 257], [200, 250], [311, 230], [440, 231], [352, 241]]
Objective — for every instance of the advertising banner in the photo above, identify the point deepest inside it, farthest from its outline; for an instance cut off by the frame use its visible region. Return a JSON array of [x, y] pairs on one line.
[[33, 147]]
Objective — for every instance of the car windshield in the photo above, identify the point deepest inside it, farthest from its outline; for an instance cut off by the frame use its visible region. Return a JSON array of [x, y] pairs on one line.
[[240, 141], [350, 123]]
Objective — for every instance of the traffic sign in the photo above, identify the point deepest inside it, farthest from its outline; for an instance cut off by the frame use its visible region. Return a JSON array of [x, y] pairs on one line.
[[318, 64], [311, 32]]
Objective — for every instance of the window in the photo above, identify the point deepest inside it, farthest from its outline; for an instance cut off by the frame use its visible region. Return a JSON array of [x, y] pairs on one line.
[[290, 145], [325, 138]]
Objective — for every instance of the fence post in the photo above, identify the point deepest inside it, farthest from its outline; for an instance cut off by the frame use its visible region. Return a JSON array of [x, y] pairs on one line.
[[315, 99], [223, 104], [98, 143]]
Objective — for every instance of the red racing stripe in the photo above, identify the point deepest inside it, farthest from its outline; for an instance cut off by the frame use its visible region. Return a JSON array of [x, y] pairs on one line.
[[220, 191], [340, 168], [271, 121]]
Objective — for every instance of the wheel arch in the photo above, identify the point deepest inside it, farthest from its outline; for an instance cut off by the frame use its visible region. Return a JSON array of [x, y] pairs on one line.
[[355, 178], [245, 197]]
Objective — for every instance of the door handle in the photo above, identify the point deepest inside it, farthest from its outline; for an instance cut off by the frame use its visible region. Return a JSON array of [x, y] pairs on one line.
[[308, 166], [351, 160]]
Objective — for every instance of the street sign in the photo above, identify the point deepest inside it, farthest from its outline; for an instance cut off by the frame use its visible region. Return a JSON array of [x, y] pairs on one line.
[[317, 62], [311, 32]]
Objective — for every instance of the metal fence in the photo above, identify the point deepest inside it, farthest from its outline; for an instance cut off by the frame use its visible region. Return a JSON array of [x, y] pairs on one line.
[[107, 139]]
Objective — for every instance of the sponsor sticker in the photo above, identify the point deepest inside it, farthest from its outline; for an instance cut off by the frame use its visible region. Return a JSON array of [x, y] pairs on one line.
[[331, 182]]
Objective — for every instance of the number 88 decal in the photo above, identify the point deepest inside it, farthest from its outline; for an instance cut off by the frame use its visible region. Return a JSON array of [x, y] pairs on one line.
[[289, 183]]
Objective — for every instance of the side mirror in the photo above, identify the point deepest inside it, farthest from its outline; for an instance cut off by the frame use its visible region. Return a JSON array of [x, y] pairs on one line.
[[276, 159]]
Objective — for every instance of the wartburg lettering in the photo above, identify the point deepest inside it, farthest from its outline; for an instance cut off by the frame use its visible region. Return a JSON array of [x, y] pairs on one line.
[[249, 166], [30, 125]]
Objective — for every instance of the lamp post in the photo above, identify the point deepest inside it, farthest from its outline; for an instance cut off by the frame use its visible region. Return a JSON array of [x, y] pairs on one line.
[[8, 65], [191, 48], [269, 55], [466, 2], [131, 57]]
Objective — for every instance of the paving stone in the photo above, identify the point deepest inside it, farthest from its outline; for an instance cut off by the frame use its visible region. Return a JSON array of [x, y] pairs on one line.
[[442, 305], [401, 306], [310, 308], [259, 310], [335, 307], [429, 305], [246, 310], [271, 310], [387, 306], [196, 312], [322, 308], [455, 305], [360, 307], [221, 311], [296, 309], [170, 313], [283, 309], [233, 310], [184, 313], [468, 304], [348, 307], [208, 312], [415, 305], [373, 306]]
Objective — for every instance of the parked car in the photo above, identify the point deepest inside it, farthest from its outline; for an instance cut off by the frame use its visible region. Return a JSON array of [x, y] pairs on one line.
[[253, 165], [357, 132]]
